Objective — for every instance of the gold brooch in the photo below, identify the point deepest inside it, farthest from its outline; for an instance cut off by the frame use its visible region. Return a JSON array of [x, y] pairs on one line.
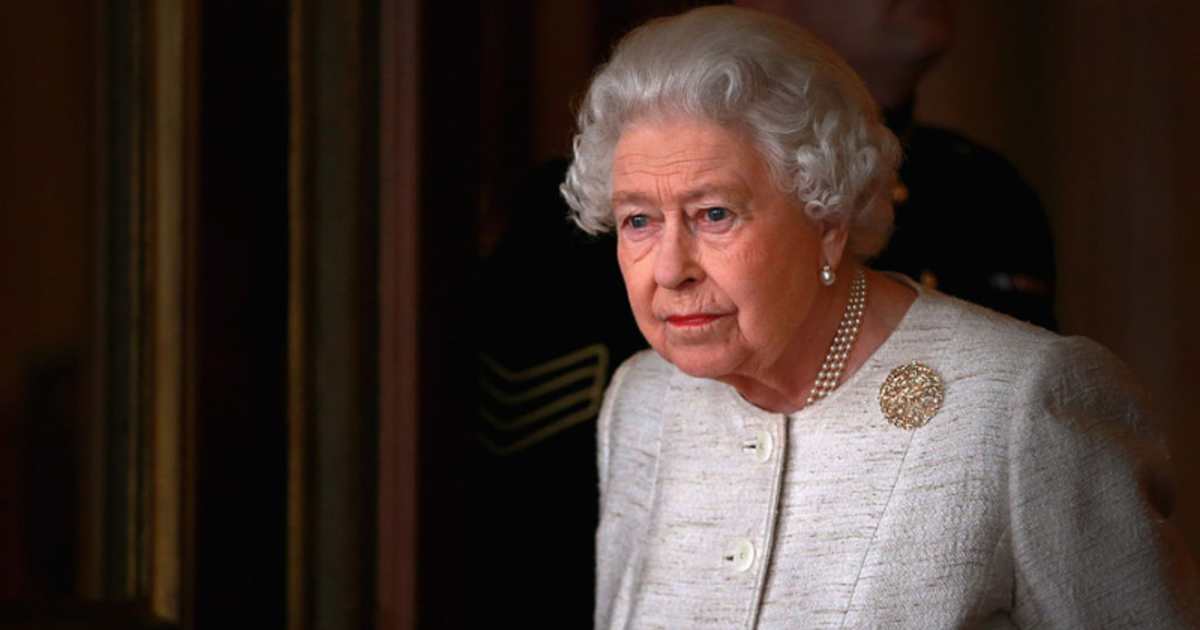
[[911, 395]]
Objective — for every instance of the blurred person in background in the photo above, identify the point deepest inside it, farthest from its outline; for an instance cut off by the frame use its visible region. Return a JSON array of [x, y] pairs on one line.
[[967, 224]]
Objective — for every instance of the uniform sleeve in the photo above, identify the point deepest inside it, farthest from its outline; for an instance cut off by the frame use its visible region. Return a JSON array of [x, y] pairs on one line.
[[1090, 500]]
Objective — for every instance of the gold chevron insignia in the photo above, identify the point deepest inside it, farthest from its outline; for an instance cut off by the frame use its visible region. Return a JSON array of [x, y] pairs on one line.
[[520, 408]]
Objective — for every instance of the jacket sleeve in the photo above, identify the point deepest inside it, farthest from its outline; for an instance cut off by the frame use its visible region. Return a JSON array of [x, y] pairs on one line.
[[604, 427], [605, 572], [1090, 500]]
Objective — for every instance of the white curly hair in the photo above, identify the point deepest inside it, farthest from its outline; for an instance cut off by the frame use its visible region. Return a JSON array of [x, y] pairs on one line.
[[810, 116]]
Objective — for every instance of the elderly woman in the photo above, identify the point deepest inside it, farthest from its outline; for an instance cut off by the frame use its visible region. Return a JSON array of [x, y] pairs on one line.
[[811, 443]]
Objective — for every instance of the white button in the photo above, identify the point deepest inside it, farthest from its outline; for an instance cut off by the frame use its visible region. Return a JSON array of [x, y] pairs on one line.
[[740, 554], [761, 446]]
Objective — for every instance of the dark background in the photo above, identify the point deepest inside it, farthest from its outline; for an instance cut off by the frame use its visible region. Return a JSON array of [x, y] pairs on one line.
[[1092, 102]]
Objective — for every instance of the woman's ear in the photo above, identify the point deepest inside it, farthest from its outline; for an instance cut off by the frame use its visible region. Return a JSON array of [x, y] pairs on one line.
[[833, 243]]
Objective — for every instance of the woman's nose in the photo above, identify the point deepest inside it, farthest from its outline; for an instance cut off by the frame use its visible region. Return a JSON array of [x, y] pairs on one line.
[[675, 263]]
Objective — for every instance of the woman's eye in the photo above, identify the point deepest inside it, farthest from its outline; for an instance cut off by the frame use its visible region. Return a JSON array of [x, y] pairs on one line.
[[715, 215], [637, 221]]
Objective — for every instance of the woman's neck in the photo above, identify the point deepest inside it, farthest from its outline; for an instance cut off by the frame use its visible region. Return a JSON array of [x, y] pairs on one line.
[[784, 387]]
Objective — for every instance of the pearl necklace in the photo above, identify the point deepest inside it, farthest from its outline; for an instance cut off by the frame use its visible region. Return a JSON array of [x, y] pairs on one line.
[[847, 332]]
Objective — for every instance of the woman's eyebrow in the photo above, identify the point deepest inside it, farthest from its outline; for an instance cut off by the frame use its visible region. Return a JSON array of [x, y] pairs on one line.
[[733, 191], [729, 190], [631, 198]]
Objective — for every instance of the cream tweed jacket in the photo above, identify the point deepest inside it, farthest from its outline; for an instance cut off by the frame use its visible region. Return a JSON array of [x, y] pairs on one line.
[[1036, 497]]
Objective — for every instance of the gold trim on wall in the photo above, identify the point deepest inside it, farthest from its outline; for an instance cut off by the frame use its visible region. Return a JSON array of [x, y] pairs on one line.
[[167, 203], [331, 367], [137, 490]]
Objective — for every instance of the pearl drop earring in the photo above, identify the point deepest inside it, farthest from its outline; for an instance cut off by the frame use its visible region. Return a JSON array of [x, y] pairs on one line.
[[827, 275]]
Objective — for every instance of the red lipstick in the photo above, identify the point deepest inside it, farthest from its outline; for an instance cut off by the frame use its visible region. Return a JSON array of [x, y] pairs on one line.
[[698, 319]]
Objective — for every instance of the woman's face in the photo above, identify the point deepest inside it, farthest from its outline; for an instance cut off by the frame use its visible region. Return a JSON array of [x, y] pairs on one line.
[[721, 267]]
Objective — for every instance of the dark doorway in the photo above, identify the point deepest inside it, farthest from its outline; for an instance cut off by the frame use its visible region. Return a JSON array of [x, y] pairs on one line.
[[241, 286]]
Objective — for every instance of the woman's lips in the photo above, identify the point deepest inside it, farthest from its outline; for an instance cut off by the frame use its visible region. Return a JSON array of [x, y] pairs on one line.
[[690, 321]]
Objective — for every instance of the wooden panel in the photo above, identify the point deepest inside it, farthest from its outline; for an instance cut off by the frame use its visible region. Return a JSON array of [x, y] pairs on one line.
[[399, 290], [299, 534], [333, 314]]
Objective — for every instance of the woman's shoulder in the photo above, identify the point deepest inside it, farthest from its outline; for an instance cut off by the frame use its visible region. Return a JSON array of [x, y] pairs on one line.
[[629, 425], [982, 352], [983, 338], [643, 388], [1074, 452], [641, 377], [980, 329], [967, 339], [1079, 386], [635, 395], [1032, 372]]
